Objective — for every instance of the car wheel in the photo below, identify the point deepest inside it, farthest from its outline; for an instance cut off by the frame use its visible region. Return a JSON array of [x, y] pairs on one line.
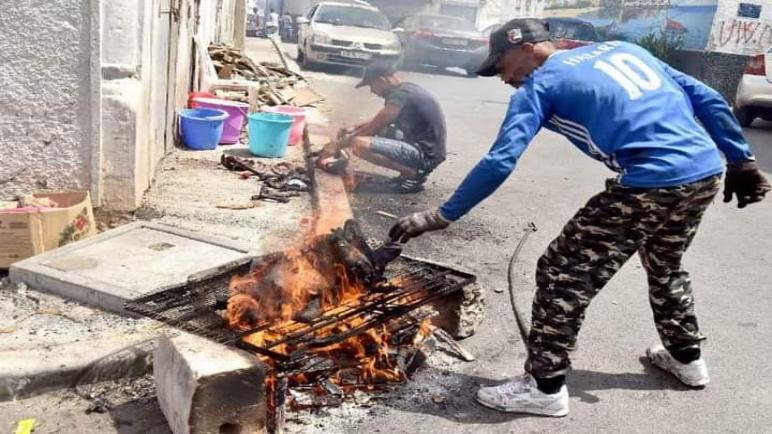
[[744, 115], [303, 60], [306, 64]]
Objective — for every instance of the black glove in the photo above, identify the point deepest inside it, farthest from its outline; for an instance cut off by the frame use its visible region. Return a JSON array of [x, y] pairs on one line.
[[417, 224], [747, 182]]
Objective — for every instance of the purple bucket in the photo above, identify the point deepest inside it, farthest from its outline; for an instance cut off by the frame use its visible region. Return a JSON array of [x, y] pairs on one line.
[[236, 112]]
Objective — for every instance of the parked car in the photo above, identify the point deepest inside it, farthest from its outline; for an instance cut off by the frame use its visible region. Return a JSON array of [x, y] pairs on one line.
[[442, 41], [566, 33], [354, 34], [754, 93]]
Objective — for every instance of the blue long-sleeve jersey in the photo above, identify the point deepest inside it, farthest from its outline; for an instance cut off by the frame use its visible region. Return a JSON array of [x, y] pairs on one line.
[[620, 105]]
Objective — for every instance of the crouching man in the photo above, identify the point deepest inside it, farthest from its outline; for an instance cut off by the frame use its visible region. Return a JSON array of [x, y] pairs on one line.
[[408, 134]]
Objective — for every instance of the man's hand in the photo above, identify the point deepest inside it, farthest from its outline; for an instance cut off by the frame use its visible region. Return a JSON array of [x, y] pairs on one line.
[[329, 150], [417, 224], [347, 131], [747, 182]]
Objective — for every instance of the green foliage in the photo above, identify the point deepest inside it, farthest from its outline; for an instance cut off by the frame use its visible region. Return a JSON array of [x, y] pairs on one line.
[[663, 44]]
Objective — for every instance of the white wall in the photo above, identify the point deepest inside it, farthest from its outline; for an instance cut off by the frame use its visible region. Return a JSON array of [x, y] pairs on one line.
[[737, 35], [89, 90], [46, 117], [121, 95]]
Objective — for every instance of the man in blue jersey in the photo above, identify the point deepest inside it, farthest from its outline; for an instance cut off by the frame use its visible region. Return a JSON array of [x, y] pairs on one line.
[[620, 105]]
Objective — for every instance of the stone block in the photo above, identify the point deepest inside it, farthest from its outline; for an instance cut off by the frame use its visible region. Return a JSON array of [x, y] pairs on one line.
[[205, 387]]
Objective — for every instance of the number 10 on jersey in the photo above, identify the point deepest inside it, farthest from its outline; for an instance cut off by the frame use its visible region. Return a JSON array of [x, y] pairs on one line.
[[631, 73]]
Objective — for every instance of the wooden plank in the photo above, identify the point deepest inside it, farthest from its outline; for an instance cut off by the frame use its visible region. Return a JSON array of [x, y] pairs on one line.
[[306, 96]]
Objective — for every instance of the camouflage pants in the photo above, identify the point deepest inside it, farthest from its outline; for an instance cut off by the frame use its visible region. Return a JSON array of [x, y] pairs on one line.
[[659, 224]]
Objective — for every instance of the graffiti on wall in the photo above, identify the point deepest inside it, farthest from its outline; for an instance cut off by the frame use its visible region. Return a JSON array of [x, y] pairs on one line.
[[753, 35], [689, 21], [742, 28]]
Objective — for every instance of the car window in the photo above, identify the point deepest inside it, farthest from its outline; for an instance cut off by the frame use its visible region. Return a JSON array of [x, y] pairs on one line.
[[311, 12], [351, 16], [571, 30], [443, 22]]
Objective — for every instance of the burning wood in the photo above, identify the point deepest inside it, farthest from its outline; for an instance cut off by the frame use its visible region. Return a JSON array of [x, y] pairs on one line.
[[331, 320]]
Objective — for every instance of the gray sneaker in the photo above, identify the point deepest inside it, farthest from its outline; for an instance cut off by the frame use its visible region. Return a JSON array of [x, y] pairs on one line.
[[694, 374], [521, 395]]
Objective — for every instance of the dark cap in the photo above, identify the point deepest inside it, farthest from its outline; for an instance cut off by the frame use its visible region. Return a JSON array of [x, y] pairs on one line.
[[375, 71], [511, 35]]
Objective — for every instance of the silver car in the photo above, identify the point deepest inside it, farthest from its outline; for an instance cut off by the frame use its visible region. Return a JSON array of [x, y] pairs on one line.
[[754, 93], [353, 34]]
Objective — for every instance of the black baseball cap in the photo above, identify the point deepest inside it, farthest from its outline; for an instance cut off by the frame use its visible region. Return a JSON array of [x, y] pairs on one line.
[[511, 35], [375, 71]]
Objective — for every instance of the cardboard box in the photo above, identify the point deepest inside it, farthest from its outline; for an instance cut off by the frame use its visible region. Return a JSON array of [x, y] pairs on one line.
[[26, 232]]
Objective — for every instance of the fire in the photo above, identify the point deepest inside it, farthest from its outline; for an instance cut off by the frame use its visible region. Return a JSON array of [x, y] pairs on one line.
[[286, 292]]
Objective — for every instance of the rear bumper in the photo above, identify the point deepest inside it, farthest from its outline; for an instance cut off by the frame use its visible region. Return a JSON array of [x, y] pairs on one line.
[[334, 55], [754, 91], [420, 52]]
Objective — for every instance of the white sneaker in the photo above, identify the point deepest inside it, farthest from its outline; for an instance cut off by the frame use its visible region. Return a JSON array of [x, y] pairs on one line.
[[694, 374], [521, 395]]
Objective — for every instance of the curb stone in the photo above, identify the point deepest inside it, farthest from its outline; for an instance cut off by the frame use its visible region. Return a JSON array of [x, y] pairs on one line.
[[70, 365]]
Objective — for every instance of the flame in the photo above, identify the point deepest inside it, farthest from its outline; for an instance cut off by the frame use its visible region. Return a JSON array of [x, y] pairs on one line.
[[307, 279]]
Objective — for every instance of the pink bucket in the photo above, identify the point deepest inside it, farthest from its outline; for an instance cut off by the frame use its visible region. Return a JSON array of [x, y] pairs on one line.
[[231, 132], [298, 115]]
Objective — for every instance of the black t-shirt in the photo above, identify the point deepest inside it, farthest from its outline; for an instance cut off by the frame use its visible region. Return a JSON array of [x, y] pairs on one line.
[[421, 120]]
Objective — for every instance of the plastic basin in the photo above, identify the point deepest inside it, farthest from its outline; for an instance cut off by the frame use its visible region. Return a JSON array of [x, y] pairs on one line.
[[269, 134], [236, 111], [201, 128], [299, 120]]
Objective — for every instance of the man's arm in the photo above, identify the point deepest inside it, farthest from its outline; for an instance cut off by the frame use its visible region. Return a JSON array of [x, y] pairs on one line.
[[527, 112], [384, 118], [716, 116], [388, 114]]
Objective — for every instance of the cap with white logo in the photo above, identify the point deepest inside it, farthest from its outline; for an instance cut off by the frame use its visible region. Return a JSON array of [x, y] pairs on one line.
[[511, 35]]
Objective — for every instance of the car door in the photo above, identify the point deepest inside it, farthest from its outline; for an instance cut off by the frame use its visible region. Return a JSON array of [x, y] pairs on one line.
[[404, 30], [305, 30]]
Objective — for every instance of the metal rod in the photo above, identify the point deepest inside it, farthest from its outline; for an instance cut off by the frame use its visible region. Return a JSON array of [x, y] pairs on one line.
[[387, 215], [365, 308], [324, 320]]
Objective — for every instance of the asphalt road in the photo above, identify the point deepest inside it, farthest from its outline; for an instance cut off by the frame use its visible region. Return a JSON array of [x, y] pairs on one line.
[[613, 388]]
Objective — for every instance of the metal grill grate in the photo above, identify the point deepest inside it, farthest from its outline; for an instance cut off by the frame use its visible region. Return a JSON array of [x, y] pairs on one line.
[[194, 307]]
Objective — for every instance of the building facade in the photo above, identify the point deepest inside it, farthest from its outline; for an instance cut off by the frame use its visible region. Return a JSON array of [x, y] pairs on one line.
[[92, 87]]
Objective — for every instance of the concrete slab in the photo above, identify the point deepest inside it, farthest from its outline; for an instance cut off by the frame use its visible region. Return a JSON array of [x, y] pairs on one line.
[[125, 263]]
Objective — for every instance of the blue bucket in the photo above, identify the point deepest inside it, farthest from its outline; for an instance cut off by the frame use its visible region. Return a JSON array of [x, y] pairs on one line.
[[201, 128], [269, 134]]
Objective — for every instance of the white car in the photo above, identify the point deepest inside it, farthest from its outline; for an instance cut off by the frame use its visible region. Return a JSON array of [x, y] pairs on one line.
[[353, 34], [754, 93]]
